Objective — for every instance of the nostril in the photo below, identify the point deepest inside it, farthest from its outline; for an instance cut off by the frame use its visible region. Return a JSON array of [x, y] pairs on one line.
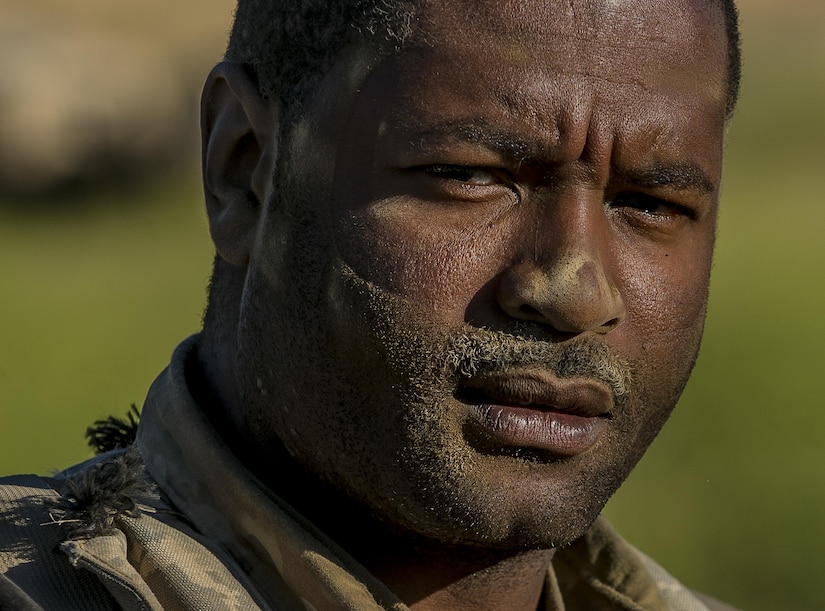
[[609, 325], [529, 310]]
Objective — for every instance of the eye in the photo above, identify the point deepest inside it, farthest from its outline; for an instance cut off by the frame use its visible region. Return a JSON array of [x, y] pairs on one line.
[[466, 174], [656, 208], [467, 183]]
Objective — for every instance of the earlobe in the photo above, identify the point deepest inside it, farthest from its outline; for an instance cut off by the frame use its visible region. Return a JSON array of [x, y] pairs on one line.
[[239, 140]]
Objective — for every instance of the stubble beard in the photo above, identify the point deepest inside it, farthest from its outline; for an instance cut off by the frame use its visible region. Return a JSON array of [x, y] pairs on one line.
[[402, 448]]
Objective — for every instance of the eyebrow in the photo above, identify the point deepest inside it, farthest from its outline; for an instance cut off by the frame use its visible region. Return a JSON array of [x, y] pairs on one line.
[[681, 176], [478, 131]]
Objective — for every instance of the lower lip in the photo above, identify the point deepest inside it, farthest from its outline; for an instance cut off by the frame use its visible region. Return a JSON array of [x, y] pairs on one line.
[[556, 432]]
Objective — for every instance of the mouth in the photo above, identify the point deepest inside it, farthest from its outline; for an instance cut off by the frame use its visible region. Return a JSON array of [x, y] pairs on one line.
[[536, 409]]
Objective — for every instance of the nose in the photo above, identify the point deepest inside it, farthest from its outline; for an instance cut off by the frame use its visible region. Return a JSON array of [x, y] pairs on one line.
[[568, 290]]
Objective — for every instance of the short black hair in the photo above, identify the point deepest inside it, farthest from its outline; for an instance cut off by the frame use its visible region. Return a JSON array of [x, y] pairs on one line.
[[291, 43], [734, 54]]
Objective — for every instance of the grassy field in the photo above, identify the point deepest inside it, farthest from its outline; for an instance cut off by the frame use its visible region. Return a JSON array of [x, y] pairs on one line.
[[730, 497]]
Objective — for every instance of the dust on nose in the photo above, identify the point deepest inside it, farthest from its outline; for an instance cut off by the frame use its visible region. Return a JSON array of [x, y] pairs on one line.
[[576, 278]]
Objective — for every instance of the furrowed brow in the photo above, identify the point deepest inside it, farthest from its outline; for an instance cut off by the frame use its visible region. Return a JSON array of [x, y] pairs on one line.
[[684, 177], [475, 131]]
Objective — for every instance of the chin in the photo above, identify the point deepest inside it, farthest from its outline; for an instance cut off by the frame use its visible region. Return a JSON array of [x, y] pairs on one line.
[[502, 502]]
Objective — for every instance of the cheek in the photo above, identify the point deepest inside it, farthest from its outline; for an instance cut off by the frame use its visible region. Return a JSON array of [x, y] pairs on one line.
[[439, 264], [665, 294]]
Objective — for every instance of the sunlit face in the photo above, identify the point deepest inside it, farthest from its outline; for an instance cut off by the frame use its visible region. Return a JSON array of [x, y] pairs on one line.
[[481, 287]]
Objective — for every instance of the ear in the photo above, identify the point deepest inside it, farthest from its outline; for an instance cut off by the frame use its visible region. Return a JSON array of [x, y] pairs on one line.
[[239, 150]]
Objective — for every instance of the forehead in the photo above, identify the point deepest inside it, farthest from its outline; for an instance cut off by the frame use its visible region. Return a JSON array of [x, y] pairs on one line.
[[569, 75], [584, 24], [667, 44], [600, 18], [601, 82]]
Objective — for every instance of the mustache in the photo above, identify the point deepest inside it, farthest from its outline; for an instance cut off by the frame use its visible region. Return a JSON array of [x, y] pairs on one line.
[[481, 351]]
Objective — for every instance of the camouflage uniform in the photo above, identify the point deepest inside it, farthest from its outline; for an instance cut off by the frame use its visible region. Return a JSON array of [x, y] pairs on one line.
[[206, 535]]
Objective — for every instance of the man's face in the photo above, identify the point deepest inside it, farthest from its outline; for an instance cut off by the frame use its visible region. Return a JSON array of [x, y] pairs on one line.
[[480, 286]]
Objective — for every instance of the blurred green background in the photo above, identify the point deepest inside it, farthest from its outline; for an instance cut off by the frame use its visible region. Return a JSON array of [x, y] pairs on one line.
[[100, 285]]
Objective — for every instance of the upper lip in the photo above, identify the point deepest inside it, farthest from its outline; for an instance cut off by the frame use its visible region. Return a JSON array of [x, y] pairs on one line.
[[539, 389]]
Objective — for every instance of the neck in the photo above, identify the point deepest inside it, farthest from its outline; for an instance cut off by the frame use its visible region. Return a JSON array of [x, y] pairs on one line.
[[426, 574], [450, 577]]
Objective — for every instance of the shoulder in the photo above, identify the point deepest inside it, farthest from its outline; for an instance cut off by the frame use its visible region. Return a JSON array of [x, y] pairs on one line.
[[712, 604], [677, 595], [33, 571], [602, 570], [25, 507], [100, 536]]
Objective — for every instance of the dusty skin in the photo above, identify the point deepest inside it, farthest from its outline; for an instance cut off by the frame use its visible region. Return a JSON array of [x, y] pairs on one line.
[[539, 174]]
